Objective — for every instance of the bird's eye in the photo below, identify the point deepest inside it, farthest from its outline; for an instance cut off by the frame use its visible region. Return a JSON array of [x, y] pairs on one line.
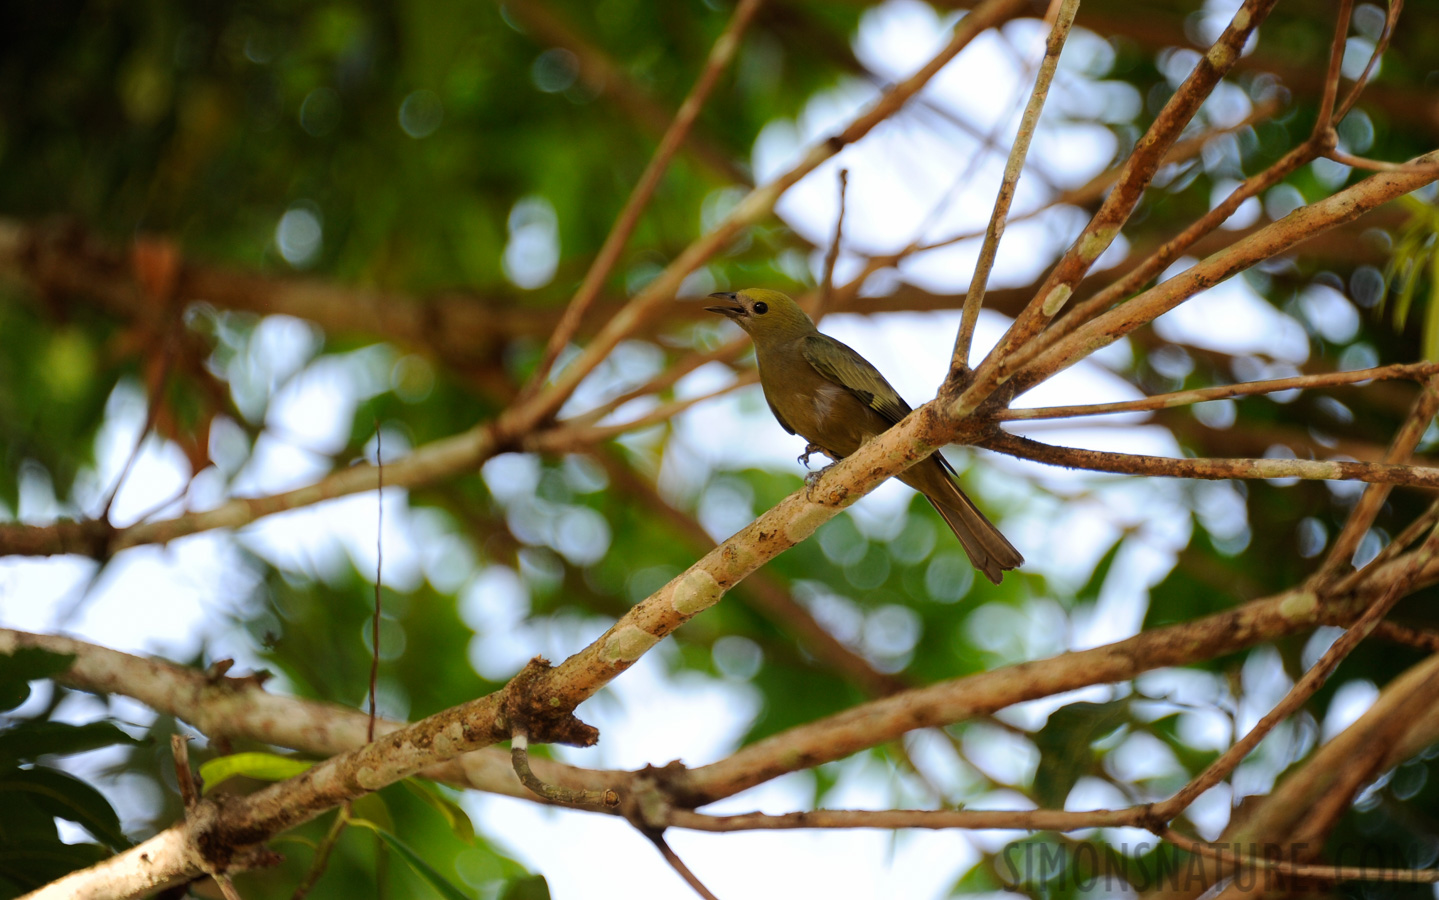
[[761, 308]]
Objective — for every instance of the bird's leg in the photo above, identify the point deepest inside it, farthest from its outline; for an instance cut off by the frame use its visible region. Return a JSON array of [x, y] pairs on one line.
[[812, 478], [810, 450]]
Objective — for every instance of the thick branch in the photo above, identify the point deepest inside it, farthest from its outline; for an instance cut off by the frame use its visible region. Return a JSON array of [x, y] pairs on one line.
[[541, 699], [948, 702]]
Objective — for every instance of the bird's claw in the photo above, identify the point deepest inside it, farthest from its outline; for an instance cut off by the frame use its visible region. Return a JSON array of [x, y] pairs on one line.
[[812, 478], [810, 450]]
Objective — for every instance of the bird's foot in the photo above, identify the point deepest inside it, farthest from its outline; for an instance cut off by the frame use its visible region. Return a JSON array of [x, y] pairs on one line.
[[812, 478], [811, 450]]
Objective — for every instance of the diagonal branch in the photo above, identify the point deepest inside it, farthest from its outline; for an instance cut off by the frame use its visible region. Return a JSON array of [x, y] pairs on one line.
[[1102, 229], [1341, 553], [755, 206], [720, 55], [1013, 166], [608, 78], [961, 699], [540, 698], [1267, 242], [1305, 687]]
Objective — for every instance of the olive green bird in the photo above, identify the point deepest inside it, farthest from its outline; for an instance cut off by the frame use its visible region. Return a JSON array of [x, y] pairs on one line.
[[834, 398]]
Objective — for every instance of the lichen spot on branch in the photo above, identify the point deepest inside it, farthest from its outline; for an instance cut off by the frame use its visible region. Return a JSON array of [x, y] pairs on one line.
[[1056, 299], [628, 644], [1092, 246], [803, 523], [1299, 606], [695, 592], [1221, 55], [369, 779], [449, 741]]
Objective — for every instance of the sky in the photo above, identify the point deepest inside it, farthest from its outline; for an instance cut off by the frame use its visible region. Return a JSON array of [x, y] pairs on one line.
[[191, 586]]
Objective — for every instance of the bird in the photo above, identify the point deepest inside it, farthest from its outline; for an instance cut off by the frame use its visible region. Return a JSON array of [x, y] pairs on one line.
[[827, 393]]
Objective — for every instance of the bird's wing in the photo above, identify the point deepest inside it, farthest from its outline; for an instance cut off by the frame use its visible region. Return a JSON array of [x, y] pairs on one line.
[[846, 368]]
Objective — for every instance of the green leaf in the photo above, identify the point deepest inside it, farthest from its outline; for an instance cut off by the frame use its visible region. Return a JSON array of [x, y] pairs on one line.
[[454, 815], [1064, 744], [31, 864], [980, 879], [373, 808], [531, 887], [25, 665], [260, 766], [443, 886], [1431, 312], [29, 740], [67, 797], [1092, 587]]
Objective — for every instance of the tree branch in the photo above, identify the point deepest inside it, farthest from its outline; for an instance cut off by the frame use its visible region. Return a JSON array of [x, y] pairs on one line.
[[1013, 166], [1414, 371], [1138, 171], [1213, 469], [1265, 243], [720, 55], [960, 699]]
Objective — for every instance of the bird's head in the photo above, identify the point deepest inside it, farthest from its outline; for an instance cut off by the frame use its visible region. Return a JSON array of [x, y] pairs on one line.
[[766, 315]]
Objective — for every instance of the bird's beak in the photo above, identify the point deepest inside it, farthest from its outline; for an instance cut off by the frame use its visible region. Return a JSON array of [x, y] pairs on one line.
[[733, 312]]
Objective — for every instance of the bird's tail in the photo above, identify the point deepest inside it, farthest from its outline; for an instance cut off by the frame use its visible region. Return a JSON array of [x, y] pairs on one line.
[[987, 547]]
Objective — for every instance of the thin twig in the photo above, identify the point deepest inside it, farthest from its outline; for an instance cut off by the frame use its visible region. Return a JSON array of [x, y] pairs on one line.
[[1391, 551], [1320, 142], [720, 55], [1017, 819], [1299, 870], [1224, 392], [184, 776], [1104, 226], [1360, 768], [1093, 189], [379, 563], [322, 853], [1325, 121], [1420, 638], [1266, 243], [1379, 165], [1390, 21], [680, 868], [555, 793], [1212, 468], [826, 284], [564, 438], [1401, 448], [959, 360], [152, 414], [523, 417], [1160, 259], [1303, 689]]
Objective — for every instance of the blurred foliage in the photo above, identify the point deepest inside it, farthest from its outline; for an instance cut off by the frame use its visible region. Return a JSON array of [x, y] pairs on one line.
[[430, 146], [35, 793]]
